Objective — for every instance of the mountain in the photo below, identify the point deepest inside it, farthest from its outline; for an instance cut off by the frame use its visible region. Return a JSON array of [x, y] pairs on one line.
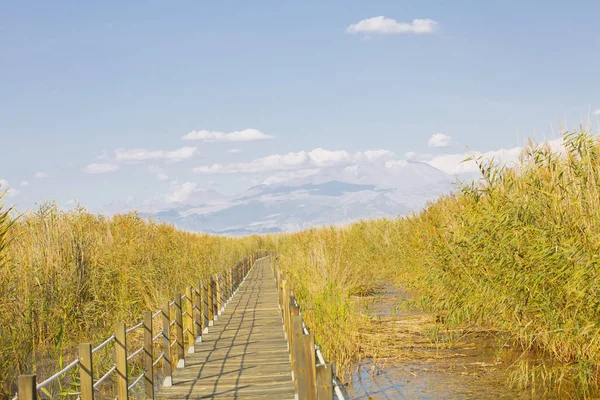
[[331, 196]]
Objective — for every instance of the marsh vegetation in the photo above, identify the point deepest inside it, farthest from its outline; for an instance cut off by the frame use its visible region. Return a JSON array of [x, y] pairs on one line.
[[512, 258], [514, 255]]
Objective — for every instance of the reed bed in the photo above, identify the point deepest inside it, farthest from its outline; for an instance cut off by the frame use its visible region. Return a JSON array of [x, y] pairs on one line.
[[517, 252], [67, 277]]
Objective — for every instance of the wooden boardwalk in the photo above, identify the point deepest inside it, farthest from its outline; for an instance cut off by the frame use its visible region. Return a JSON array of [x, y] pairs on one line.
[[245, 354]]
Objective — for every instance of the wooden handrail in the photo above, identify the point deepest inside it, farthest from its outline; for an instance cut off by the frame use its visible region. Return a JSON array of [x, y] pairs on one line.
[[202, 306], [312, 381]]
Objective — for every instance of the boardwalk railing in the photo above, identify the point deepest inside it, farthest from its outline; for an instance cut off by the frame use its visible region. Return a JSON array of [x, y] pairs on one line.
[[312, 380], [184, 319]]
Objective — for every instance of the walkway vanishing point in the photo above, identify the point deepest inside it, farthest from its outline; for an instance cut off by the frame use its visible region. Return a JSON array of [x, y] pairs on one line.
[[238, 334], [244, 355]]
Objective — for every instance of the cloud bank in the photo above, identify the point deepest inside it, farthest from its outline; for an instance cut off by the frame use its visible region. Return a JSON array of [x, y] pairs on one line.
[[386, 26], [317, 158], [139, 155], [245, 135]]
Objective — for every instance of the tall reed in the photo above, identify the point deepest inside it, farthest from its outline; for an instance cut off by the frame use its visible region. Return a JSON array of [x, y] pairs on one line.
[[517, 252], [69, 276]]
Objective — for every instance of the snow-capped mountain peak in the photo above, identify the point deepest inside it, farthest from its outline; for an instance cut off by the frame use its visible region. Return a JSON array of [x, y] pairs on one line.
[[325, 196]]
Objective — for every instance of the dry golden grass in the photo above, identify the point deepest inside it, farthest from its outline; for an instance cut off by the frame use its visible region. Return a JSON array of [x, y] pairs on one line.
[[67, 277], [517, 252]]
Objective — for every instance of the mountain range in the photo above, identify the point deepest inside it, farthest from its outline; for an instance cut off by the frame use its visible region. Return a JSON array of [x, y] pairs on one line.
[[329, 196]]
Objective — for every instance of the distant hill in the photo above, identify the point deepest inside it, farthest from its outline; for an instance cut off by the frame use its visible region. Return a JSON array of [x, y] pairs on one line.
[[331, 196]]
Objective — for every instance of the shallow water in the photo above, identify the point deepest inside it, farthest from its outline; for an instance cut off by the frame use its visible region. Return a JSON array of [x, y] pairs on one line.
[[469, 368], [468, 379]]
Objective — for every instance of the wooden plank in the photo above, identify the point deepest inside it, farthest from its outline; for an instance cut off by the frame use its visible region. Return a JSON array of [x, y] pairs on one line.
[[244, 355]]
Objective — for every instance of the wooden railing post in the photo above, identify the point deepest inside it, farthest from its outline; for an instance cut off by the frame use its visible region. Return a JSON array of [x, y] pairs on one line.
[[198, 313], [167, 362], [230, 280], [225, 284], [221, 289], [294, 311], [325, 381], [189, 318], [228, 284], [308, 348], [286, 309], [205, 305], [86, 371], [179, 332], [27, 387], [299, 361], [274, 265], [121, 360], [211, 300], [216, 298], [148, 356], [233, 279], [279, 289]]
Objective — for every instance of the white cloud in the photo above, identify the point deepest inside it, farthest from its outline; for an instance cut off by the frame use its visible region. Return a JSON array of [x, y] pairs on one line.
[[413, 156], [139, 155], [318, 158], [5, 187], [439, 140], [181, 192], [454, 163], [24, 183], [235, 151], [373, 155], [287, 175], [41, 175], [100, 168], [158, 172], [597, 112], [123, 156], [383, 25], [245, 135]]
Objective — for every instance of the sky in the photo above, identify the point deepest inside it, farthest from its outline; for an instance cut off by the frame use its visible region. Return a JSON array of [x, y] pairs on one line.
[[149, 102]]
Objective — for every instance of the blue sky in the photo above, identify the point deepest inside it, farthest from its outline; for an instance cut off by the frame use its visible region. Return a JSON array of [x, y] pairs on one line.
[[87, 83]]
